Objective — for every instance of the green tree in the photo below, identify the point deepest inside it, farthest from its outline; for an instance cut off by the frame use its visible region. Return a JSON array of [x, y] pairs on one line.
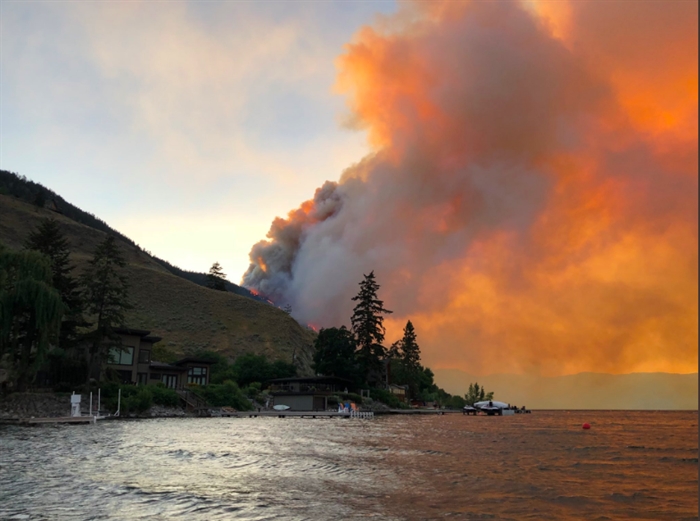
[[368, 327], [477, 393], [106, 299], [335, 353], [406, 368], [49, 240], [30, 312], [216, 278]]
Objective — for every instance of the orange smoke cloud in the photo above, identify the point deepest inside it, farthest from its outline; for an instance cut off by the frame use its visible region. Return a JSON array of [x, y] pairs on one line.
[[531, 201]]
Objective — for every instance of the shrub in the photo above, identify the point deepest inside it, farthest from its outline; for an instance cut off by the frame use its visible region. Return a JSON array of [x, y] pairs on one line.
[[387, 398], [164, 396], [226, 394], [138, 401]]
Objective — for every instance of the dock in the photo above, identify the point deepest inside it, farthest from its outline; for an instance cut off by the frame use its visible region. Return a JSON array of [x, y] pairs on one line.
[[63, 419], [300, 414]]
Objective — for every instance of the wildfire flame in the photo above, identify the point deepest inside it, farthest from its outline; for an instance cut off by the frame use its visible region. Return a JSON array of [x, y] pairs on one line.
[[531, 200]]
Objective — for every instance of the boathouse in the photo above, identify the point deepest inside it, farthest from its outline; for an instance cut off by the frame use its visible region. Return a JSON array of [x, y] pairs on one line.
[[307, 393]]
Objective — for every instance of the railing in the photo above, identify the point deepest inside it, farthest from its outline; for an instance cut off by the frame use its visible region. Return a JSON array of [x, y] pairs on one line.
[[368, 415], [192, 400]]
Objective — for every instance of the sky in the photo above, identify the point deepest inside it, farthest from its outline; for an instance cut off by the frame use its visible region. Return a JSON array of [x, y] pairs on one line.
[[187, 126], [521, 176]]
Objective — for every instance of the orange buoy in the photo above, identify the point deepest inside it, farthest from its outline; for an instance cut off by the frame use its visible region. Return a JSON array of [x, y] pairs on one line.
[[586, 426]]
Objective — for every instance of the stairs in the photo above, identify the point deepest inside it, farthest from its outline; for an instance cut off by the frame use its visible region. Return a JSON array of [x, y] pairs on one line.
[[193, 402]]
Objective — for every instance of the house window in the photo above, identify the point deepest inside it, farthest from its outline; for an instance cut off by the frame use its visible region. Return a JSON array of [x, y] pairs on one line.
[[124, 377], [197, 375], [170, 380], [144, 356], [121, 355], [142, 378], [155, 376]]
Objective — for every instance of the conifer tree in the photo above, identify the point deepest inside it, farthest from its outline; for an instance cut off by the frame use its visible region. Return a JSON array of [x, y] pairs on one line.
[[368, 327], [216, 278], [406, 368], [49, 240], [106, 298], [30, 311]]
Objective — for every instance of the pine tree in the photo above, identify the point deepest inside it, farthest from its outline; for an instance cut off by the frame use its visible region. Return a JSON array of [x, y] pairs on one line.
[[216, 278], [106, 298], [410, 352], [49, 240], [368, 327], [406, 366], [30, 311]]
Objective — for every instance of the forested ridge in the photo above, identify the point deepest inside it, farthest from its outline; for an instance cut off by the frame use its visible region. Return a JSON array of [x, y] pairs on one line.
[[37, 194]]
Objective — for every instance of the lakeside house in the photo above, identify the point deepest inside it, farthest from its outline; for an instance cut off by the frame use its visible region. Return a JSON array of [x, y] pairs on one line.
[[133, 363], [400, 391], [307, 393]]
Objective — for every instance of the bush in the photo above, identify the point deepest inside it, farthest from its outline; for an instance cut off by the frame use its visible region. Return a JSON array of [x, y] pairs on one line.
[[387, 398], [227, 394], [137, 402], [352, 397], [164, 396]]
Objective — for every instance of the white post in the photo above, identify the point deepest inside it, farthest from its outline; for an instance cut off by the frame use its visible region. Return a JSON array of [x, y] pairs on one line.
[[98, 401], [90, 410], [119, 402]]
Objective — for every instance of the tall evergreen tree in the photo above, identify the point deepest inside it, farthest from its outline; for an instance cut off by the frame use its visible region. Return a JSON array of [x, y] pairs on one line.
[[49, 240], [216, 278], [106, 299], [368, 327], [30, 312], [410, 352], [406, 368]]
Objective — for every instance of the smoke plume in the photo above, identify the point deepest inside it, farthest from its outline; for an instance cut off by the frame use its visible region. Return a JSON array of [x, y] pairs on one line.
[[531, 199]]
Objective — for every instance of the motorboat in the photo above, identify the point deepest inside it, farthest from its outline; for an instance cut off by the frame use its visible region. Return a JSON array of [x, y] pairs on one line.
[[491, 408]]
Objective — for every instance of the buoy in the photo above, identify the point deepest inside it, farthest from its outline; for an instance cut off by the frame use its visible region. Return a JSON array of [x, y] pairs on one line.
[[586, 426]]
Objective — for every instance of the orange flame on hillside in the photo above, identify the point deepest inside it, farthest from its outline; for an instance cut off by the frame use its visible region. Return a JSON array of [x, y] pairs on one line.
[[531, 201]]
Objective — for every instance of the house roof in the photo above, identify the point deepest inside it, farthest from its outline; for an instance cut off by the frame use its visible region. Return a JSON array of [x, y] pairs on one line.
[[313, 379], [130, 331], [162, 366], [193, 360], [152, 338]]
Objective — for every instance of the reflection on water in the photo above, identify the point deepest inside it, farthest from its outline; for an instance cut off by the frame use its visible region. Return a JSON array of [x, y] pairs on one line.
[[630, 465]]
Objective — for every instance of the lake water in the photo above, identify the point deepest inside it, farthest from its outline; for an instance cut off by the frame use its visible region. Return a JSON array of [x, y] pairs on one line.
[[630, 465]]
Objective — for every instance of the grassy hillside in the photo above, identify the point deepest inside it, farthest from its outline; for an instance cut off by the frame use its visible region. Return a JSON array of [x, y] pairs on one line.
[[187, 316], [36, 194]]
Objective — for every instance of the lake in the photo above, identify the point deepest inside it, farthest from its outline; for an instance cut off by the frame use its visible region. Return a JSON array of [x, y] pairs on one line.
[[629, 465]]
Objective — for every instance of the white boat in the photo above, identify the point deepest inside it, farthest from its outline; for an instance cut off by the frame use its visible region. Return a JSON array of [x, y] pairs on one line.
[[493, 408], [280, 407]]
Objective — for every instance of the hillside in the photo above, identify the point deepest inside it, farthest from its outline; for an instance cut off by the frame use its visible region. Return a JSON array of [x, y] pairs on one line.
[[187, 316], [37, 194], [659, 391]]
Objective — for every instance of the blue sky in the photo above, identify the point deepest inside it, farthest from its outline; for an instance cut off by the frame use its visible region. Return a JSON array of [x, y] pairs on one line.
[[187, 126]]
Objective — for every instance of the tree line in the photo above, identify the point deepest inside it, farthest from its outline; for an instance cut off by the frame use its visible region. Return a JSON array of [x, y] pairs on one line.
[[358, 354], [43, 304]]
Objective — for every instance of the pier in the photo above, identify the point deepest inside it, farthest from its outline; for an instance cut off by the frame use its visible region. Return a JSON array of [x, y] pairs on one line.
[[63, 419]]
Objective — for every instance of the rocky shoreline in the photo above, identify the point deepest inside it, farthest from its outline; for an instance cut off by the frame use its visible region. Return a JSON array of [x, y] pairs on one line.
[[16, 407]]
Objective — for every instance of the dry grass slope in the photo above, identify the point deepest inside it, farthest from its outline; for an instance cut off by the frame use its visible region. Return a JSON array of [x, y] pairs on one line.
[[188, 317]]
